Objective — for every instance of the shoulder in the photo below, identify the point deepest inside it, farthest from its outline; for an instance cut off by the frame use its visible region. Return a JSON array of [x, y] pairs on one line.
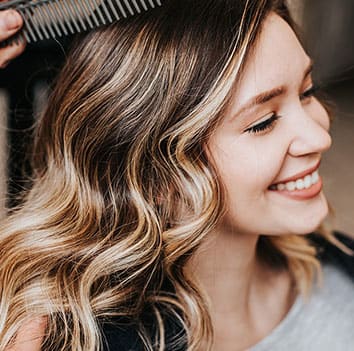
[[324, 320], [331, 308]]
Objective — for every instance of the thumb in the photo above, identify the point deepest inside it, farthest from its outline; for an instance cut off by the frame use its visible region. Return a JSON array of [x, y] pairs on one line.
[[10, 22]]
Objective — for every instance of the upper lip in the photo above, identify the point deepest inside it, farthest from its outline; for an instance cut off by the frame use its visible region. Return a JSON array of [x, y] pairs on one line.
[[300, 174]]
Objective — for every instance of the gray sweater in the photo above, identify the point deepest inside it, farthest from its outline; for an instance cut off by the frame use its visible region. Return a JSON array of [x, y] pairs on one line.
[[324, 323]]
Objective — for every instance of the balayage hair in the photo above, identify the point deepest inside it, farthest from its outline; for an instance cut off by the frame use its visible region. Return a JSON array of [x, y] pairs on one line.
[[123, 191]]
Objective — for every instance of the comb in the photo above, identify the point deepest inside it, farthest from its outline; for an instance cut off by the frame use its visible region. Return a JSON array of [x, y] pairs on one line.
[[49, 19]]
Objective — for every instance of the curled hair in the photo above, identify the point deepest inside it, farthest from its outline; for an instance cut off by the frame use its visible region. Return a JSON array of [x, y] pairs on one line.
[[123, 192]]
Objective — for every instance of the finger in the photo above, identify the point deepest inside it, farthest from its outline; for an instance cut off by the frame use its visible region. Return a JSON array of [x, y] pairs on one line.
[[10, 22], [10, 52], [30, 336]]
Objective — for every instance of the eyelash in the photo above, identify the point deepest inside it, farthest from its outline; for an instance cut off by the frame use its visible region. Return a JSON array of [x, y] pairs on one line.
[[309, 92], [268, 123], [265, 125]]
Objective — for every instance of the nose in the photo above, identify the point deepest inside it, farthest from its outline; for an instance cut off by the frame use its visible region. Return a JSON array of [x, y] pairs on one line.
[[310, 134]]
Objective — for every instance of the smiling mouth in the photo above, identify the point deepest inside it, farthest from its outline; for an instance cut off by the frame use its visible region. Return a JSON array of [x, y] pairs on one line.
[[302, 186], [305, 182]]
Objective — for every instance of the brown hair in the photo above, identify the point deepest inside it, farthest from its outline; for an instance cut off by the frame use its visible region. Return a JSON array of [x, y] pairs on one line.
[[118, 158]]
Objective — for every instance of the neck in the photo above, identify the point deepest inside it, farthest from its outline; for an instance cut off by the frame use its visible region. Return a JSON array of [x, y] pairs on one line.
[[241, 291], [226, 268]]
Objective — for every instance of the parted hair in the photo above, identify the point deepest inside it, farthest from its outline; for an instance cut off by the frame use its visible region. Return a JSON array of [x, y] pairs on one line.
[[123, 192]]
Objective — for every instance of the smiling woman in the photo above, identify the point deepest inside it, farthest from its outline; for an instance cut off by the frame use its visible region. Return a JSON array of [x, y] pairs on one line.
[[280, 131], [176, 186]]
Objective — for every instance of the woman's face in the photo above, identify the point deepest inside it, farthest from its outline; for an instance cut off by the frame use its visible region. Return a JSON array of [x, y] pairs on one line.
[[269, 145]]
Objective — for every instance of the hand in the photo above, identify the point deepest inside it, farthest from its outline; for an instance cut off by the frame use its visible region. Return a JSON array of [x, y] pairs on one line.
[[30, 336], [10, 22]]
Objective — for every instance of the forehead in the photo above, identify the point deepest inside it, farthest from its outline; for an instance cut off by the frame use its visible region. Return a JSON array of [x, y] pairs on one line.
[[277, 59]]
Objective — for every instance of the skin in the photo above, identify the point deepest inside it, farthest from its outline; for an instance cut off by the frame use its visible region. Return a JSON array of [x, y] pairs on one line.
[[10, 23], [247, 299], [30, 336]]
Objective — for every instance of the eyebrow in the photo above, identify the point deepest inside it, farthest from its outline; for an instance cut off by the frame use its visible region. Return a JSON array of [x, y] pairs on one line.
[[266, 96]]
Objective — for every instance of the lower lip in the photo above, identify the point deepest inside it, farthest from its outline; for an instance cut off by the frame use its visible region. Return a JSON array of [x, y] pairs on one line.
[[303, 194]]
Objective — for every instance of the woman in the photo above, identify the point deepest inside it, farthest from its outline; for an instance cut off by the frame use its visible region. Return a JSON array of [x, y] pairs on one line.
[[176, 178]]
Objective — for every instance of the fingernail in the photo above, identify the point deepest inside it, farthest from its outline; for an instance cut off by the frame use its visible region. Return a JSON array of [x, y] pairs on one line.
[[12, 20]]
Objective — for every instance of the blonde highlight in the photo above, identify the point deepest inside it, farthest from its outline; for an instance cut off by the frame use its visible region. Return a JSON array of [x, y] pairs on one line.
[[123, 191]]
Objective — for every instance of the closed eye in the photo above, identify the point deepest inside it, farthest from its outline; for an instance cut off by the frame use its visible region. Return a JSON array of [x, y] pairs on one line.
[[264, 125], [309, 92]]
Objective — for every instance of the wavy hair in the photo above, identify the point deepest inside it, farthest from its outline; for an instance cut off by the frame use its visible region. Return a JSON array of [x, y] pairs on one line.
[[123, 192]]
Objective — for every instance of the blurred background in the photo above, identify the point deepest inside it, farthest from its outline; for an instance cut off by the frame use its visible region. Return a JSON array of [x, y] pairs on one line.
[[327, 28]]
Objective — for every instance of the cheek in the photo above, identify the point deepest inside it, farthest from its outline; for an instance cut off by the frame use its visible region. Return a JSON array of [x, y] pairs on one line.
[[245, 179], [247, 169]]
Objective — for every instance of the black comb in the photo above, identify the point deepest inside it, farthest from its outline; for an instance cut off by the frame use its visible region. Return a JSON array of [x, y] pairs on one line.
[[48, 19]]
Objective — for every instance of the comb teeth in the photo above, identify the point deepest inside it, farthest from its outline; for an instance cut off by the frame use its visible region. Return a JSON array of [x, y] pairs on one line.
[[48, 19]]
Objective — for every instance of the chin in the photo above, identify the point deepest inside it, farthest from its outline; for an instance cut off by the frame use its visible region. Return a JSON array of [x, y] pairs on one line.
[[305, 230], [312, 219]]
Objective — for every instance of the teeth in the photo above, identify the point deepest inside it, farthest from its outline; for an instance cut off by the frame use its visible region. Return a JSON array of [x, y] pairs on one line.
[[281, 187], [315, 177], [307, 181], [290, 186], [301, 183]]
